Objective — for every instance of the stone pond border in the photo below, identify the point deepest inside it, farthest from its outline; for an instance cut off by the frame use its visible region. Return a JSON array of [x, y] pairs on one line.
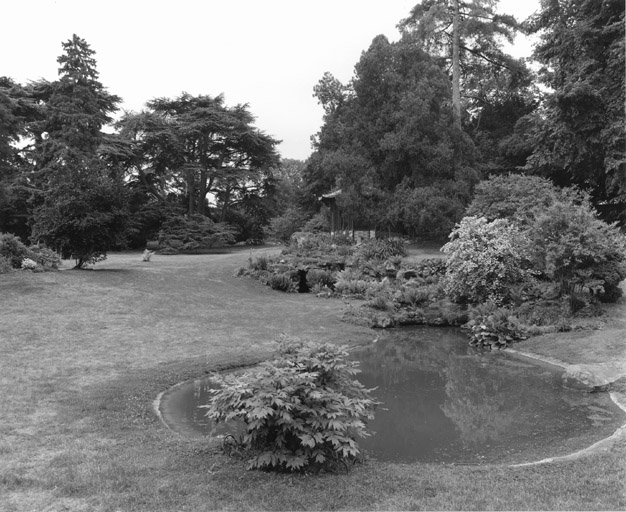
[[593, 378]]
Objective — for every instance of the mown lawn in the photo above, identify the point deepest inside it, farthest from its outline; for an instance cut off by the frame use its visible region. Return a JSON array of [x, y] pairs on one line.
[[83, 354]]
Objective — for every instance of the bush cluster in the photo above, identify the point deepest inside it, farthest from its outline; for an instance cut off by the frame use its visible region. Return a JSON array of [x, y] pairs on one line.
[[13, 250], [524, 227], [282, 282], [16, 255], [303, 410], [381, 249], [193, 233]]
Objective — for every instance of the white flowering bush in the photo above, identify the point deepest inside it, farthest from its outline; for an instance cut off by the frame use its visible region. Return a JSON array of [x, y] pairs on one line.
[[484, 260], [28, 264]]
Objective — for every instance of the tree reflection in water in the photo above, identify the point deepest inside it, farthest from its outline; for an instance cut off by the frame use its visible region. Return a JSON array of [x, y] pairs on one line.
[[446, 401]]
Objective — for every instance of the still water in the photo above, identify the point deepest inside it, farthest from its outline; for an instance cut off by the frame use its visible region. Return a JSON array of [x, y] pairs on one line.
[[444, 401]]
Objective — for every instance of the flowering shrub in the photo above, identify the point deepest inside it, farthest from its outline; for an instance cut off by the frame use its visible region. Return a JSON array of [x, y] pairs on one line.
[[45, 257], [485, 259], [28, 264], [302, 410]]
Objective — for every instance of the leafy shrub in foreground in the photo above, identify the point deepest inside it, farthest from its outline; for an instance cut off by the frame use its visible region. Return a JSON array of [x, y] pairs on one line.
[[304, 409]]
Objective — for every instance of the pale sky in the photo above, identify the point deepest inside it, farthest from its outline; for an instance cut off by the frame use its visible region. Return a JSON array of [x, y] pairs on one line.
[[267, 53]]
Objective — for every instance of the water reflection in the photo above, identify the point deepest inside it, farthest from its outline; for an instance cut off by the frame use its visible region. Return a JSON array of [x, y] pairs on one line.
[[444, 401]]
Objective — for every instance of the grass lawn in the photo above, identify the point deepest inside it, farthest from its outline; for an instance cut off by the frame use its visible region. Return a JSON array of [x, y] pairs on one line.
[[83, 354]]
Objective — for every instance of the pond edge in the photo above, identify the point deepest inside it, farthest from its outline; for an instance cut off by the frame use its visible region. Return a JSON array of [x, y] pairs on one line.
[[618, 398]]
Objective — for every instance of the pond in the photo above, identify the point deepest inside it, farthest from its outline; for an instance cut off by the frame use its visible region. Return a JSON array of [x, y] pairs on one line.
[[444, 401]]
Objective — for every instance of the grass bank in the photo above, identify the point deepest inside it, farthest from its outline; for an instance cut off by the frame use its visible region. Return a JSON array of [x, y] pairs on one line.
[[83, 354]]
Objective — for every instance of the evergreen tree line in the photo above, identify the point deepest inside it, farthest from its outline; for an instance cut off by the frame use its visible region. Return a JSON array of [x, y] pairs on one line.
[[424, 119], [420, 124]]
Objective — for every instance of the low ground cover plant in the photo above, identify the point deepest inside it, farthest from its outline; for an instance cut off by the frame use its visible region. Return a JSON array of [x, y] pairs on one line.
[[302, 411]]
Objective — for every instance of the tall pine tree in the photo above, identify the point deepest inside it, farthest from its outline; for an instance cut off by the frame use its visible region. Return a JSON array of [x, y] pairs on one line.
[[80, 206]]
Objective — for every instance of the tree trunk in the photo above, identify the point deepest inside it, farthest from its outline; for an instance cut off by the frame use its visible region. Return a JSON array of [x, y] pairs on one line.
[[191, 192], [225, 205], [202, 186], [456, 68], [202, 191]]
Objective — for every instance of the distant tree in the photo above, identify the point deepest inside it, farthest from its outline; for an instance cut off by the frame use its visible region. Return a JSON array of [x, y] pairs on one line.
[[79, 205], [197, 146], [390, 130], [579, 134], [466, 36], [83, 217], [17, 110], [517, 197]]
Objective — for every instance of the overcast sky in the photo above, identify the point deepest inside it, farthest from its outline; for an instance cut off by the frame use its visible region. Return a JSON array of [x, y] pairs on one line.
[[267, 53]]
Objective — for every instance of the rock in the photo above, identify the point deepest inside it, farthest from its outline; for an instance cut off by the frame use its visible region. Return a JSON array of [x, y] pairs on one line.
[[577, 377], [406, 274]]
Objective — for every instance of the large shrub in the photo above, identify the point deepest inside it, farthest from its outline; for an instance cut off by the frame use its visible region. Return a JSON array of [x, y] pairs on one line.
[[12, 249], [514, 196], [282, 227], [564, 238], [83, 218], [180, 233], [484, 260], [572, 246], [429, 212], [304, 409], [47, 258]]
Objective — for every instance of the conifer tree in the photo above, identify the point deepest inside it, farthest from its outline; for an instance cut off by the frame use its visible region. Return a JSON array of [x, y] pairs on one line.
[[80, 207]]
